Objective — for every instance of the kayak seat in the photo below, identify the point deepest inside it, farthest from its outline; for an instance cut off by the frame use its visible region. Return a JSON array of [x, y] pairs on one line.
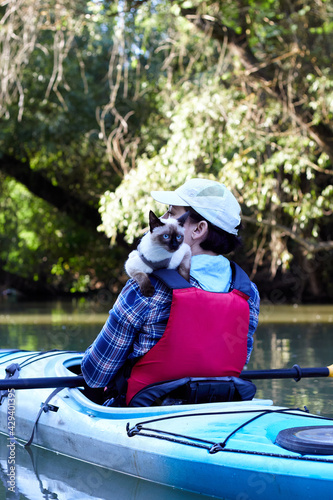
[[190, 390]]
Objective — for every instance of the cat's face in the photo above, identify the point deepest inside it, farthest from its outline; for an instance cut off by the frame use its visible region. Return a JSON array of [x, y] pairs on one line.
[[167, 233]]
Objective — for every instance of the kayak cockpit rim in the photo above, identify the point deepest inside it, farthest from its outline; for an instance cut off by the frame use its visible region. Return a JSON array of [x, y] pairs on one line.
[[70, 364]]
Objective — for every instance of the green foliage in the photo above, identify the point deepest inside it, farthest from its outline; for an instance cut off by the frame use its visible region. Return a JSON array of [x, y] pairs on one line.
[[115, 99], [211, 135], [55, 132], [222, 124], [41, 244]]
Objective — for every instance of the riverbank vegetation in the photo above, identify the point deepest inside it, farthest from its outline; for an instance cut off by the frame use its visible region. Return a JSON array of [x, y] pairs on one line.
[[102, 102]]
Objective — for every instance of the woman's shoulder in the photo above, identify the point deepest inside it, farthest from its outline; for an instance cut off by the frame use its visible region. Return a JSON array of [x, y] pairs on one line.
[[131, 293]]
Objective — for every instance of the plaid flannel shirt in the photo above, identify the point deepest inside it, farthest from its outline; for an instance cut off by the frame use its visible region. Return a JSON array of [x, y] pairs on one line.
[[134, 325]]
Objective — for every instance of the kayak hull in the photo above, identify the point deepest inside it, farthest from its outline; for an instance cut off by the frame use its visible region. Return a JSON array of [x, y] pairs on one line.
[[193, 447]]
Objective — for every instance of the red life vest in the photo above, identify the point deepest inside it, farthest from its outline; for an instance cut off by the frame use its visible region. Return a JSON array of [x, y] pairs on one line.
[[206, 336]]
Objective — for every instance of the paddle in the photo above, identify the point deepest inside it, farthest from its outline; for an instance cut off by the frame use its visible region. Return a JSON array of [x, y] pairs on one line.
[[41, 383], [296, 372]]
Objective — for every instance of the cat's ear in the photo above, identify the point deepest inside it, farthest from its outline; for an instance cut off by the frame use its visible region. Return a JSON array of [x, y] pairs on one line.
[[154, 221], [182, 219]]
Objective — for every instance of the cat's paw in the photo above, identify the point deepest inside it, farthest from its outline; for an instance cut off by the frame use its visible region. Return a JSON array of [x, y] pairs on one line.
[[147, 289]]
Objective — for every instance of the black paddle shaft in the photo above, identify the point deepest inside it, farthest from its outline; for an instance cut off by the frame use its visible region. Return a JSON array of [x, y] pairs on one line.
[[41, 383], [296, 372]]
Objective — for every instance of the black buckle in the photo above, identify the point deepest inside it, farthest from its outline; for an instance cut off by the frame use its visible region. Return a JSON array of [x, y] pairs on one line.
[[47, 407]]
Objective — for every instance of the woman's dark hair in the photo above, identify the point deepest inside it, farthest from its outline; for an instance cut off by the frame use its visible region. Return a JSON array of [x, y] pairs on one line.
[[218, 240]]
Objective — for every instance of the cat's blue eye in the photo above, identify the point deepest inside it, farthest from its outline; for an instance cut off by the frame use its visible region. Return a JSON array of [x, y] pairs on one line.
[[166, 236], [178, 237]]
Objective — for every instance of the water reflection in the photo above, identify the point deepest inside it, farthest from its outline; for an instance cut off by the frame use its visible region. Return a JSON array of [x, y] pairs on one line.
[[42, 474], [283, 345]]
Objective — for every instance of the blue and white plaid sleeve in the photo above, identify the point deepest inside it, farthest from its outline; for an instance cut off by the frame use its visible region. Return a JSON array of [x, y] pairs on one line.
[[112, 346], [254, 303]]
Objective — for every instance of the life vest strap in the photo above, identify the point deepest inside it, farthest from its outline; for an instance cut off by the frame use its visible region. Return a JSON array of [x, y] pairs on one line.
[[172, 279], [240, 280]]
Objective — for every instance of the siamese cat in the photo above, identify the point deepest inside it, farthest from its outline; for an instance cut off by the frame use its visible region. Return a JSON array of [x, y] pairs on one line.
[[162, 247]]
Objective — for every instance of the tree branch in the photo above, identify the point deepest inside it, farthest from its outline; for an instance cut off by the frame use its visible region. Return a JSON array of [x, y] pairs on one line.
[[75, 208], [325, 246]]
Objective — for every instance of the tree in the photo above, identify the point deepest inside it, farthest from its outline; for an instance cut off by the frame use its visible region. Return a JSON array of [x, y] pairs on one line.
[[258, 117], [134, 96], [68, 134], [50, 144]]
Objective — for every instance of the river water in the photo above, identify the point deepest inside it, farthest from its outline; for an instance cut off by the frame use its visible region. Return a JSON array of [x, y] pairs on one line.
[[286, 336]]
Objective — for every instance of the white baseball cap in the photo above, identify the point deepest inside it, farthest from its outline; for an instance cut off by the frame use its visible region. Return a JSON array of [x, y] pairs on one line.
[[211, 199]]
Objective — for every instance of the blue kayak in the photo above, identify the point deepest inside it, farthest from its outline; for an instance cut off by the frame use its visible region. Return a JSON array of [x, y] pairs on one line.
[[236, 450]]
